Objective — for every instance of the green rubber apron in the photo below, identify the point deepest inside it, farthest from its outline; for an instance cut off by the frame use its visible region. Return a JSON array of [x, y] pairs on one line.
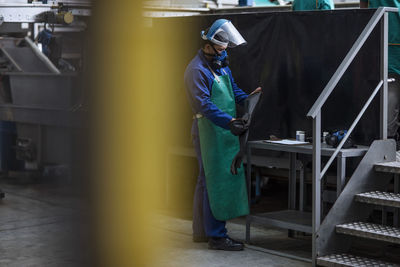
[[227, 193]]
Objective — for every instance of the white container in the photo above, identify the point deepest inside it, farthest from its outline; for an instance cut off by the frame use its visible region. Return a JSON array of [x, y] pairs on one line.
[[300, 136], [324, 134]]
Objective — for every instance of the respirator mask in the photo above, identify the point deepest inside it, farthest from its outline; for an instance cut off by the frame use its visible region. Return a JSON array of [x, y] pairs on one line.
[[219, 60]]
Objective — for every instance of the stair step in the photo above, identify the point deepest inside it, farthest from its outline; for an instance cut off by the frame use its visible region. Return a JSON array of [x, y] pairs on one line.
[[371, 231], [350, 260], [389, 167], [380, 198]]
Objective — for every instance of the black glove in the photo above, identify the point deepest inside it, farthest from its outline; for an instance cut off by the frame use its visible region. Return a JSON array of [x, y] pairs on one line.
[[236, 163], [240, 125]]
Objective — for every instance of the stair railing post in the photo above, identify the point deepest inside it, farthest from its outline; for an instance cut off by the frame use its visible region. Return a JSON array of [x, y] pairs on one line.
[[384, 76], [316, 185]]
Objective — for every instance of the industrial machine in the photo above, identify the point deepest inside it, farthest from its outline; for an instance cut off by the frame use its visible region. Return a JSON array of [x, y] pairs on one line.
[[41, 63]]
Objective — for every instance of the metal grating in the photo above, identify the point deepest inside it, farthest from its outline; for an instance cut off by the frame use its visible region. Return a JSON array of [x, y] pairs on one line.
[[350, 260], [371, 231], [390, 167], [379, 198]]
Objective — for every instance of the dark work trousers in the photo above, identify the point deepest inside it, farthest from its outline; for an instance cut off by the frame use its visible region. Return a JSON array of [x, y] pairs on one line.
[[393, 105], [204, 223]]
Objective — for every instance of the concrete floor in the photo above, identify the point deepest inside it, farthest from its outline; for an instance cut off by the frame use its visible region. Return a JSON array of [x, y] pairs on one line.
[[40, 225], [181, 251]]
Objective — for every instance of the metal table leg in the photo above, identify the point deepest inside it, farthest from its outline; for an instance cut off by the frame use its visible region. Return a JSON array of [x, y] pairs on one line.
[[258, 184], [301, 193], [292, 187], [248, 178], [292, 181], [341, 174]]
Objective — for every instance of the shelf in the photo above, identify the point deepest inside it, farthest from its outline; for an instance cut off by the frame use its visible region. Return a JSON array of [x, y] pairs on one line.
[[286, 219]]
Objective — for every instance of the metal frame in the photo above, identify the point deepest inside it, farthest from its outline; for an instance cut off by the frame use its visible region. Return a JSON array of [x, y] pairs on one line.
[[315, 112], [67, 116], [42, 116], [35, 12], [281, 219], [42, 56]]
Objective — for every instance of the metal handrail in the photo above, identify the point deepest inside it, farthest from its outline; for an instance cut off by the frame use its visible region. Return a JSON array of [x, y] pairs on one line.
[[348, 60], [319, 103], [315, 113], [353, 125]]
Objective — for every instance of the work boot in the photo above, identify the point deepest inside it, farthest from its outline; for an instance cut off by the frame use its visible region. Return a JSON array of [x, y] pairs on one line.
[[224, 243]]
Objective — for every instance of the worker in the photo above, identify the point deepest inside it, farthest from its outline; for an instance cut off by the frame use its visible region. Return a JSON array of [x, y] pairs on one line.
[[393, 63], [213, 94], [302, 5]]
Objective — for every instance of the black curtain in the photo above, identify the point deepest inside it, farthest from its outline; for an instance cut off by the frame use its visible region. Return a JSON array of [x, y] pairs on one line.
[[292, 55]]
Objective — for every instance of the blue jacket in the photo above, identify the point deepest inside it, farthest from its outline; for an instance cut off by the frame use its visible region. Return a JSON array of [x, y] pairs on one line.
[[198, 81]]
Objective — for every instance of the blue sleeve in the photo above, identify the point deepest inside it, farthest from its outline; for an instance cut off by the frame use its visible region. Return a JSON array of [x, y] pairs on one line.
[[197, 85], [239, 94]]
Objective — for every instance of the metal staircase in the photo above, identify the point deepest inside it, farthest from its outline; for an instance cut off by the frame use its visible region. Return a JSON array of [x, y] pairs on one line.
[[347, 221], [347, 218], [350, 260], [347, 228]]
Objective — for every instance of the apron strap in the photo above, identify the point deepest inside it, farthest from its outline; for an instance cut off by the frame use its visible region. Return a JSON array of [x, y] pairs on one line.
[[215, 75]]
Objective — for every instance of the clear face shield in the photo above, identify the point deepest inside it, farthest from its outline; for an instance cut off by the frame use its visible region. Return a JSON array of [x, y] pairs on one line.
[[235, 38], [223, 25]]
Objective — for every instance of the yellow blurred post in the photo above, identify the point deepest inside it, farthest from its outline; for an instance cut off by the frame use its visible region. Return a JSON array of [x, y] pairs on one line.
[[133, 99]]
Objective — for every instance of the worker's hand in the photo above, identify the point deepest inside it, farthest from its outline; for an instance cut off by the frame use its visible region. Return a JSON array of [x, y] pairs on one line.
[[238, 126], [258, 89]]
